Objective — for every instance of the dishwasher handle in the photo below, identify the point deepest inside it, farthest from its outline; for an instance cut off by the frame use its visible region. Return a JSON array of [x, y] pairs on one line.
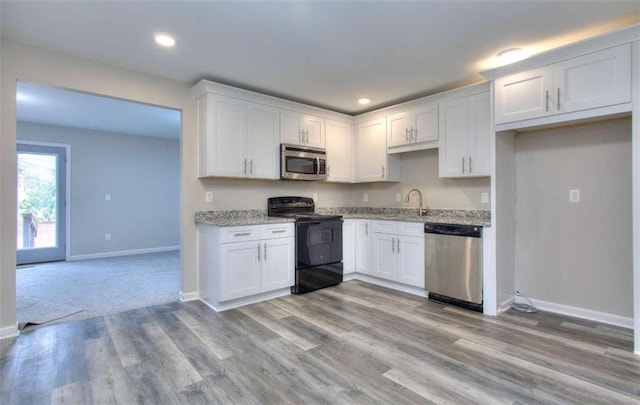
[[471, 231]]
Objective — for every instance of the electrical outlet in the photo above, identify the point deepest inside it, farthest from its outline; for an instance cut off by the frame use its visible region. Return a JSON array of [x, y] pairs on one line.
[[107, 236], [484, 197], [208, 196], [365, 197], [315, 197], [574, 195], [107, 197], [398, 197]]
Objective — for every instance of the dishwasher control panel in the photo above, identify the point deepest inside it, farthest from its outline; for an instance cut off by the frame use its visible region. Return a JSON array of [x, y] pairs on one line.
[[472, 231]]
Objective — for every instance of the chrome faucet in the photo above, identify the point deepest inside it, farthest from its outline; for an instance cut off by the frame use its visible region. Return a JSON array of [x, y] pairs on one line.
[[421, 211]]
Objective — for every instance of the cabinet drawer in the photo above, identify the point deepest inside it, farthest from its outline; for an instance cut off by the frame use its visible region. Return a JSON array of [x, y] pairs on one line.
[[384, 226], [410, 229], [239, 233], [277, 231]]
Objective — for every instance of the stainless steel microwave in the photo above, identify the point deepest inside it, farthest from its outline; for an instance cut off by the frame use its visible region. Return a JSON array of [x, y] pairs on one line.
[[302, 163]]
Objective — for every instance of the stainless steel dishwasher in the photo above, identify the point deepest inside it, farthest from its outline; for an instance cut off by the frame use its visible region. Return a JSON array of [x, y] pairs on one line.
[[453, 264]]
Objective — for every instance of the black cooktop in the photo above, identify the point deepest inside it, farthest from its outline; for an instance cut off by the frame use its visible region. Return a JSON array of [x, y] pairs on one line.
[[298, 208]]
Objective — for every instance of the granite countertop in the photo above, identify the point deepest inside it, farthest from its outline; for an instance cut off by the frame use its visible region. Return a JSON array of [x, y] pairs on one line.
[[259, 217]]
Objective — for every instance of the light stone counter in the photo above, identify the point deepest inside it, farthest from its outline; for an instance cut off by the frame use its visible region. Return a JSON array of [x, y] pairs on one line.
[[259, 217]]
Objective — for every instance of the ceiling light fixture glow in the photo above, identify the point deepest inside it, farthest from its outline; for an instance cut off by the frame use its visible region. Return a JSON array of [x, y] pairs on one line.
[[364, 100], [164, 39], [510, 55]]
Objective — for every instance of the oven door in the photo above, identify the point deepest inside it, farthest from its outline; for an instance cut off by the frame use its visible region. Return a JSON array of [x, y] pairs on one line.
[[318, 242], [300, 164]]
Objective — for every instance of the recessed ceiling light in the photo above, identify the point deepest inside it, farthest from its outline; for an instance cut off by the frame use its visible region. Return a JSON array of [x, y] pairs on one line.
[[364, 100], [510, 55], [164, 39]]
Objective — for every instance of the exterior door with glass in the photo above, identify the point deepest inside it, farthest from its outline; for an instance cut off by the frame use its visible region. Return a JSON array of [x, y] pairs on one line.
[[41, 203]]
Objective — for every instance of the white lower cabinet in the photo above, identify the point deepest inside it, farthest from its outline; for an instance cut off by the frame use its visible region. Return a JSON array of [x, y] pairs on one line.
[[349, 246], [398, 251], [363, 234], [244, 262]]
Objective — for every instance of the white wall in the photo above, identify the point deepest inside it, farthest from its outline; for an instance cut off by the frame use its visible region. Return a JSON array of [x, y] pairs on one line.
[[27, 63], [576, 254], [142, 176], [420, 170]]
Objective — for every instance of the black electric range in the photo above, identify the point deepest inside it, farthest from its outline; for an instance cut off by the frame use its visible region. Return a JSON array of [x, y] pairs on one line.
[[318, 243]]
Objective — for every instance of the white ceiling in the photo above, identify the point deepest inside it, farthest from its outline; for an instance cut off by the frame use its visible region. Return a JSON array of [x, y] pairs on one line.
[[54, 106], [325, 53]]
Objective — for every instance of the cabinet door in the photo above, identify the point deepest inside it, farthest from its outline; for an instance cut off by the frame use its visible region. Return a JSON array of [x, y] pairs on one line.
[[426, 124], [277, 264], [226, 134], [398, 126], [339, 141], [372, 150], [314, 131], [291, 127], [595, 80], [349, 246], [363, 246], [523, 95], [411, 260], [263, 145], [479, 139], [385, 256], [239, 270], [452, 153]]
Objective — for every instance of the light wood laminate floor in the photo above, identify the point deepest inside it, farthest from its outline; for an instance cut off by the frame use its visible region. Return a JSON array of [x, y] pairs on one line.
[[355, 343]]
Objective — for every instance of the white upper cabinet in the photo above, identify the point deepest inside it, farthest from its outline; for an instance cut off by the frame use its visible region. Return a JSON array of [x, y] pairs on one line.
[[237, 138], [465, 125], [340, 151], [413, 129], [373, 162], [301, 129], [595, 80]]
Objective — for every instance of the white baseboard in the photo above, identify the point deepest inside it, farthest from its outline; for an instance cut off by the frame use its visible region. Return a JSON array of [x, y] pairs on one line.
[[421, 292], [219, 307], [349, 276], [9, 332], [611, 319], [124, 253], [506, 304], [189, 296]]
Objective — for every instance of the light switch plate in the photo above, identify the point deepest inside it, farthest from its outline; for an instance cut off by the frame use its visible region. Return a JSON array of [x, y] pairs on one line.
[[365, 197], [398, 197], [315, 197], [574, 195], [107, 236], [208, 196], [484, 197], [107, 197]]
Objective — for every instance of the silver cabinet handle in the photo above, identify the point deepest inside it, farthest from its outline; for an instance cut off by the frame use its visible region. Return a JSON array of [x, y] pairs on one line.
[[251, 166], [558, 98], [258, 252], [393, 244], [470, 169], [245, 166], [279, 231], [546, 101], [406, 134], [383, 171], [265, 252], [413, 134], [463, 165], [328, 170], [366, 229], [301, 134], [398, 243], [307, 132], [242, 234]]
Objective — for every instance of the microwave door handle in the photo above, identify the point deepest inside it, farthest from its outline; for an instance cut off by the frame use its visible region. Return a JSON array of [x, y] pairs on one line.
[[317, 165]]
